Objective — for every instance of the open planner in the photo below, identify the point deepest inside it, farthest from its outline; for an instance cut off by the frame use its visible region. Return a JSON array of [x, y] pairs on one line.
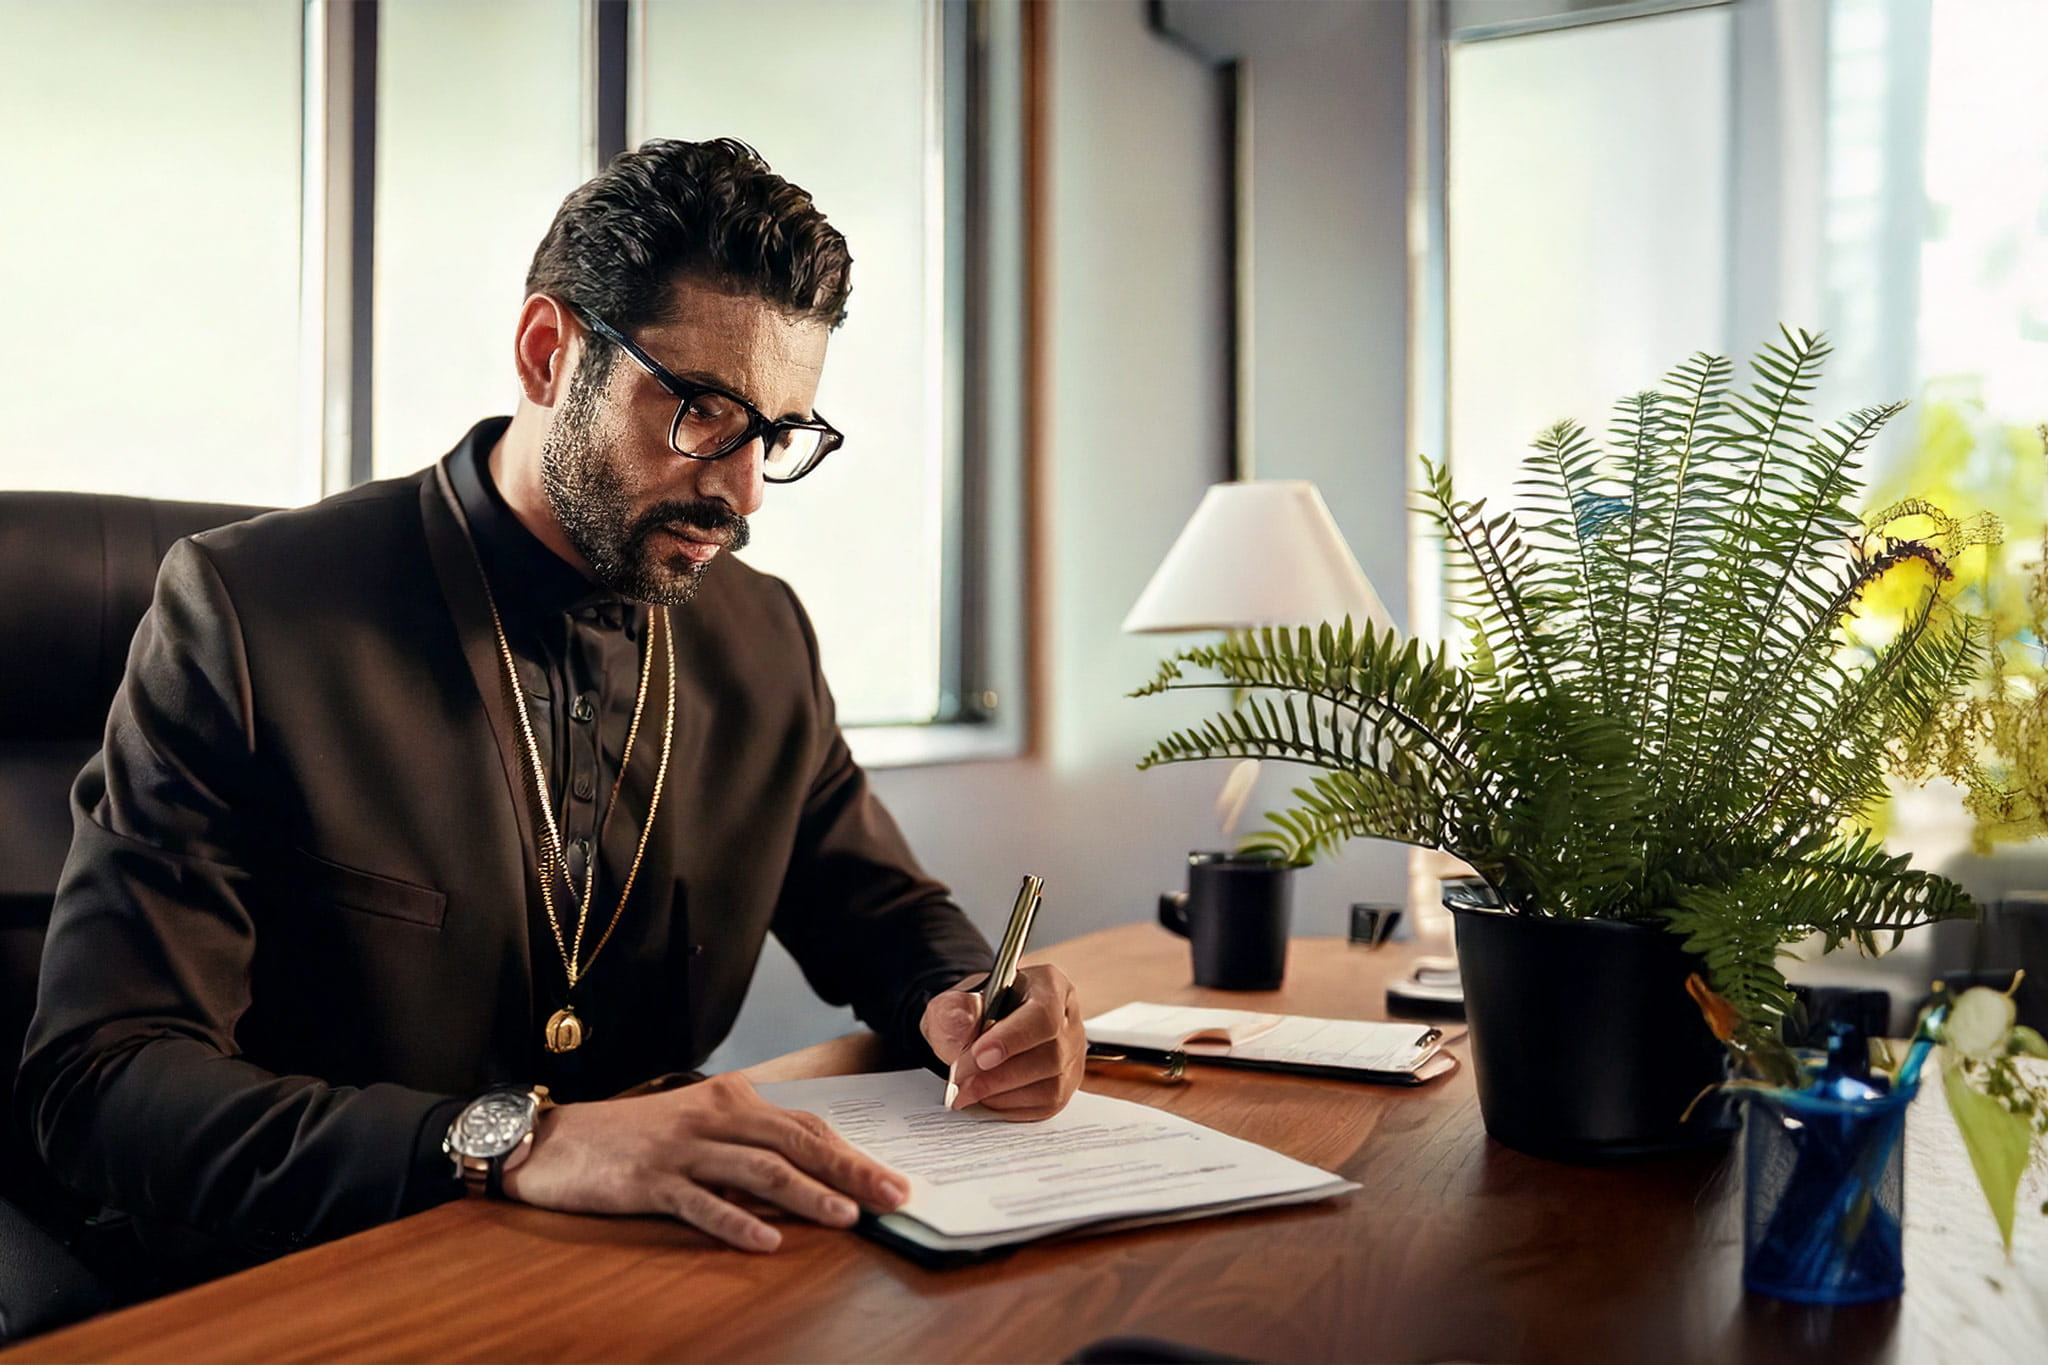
[[1348, 1049], [980, 1184]]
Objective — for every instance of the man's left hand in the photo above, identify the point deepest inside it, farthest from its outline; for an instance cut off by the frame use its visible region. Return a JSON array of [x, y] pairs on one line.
[[1029, 1063]]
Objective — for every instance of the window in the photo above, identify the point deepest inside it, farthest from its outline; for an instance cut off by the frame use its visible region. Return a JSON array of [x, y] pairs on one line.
[[469, 173], [274, 247], [862, 539], [1588, 211], [151, 269], [1937, 216]]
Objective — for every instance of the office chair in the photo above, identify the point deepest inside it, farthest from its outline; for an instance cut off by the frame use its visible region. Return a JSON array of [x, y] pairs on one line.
[[76, 574]]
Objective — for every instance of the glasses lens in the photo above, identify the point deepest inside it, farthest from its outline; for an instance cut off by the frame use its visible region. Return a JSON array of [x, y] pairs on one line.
[[709, 424], [792, 454]]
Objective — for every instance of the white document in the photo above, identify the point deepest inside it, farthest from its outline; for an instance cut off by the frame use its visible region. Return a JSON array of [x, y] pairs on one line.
[[1284, 1039], [977, 1181]]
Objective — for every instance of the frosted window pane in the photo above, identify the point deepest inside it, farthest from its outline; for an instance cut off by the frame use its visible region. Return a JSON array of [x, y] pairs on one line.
[[835, 100], [151, 270], [1984, 261], [1587, 225], [479, 137]]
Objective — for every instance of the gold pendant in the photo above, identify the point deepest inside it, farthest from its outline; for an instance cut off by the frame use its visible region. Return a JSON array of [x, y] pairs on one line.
[[565, 1030]]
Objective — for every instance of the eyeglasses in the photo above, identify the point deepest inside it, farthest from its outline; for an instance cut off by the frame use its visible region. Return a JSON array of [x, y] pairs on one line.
[[711, 423]]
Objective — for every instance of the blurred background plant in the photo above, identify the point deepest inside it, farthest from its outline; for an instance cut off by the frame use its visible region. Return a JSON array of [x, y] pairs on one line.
[[1992, 741]]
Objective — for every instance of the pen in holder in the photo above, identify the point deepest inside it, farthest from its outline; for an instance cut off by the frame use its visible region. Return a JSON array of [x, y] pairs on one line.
[[1824, 1197]]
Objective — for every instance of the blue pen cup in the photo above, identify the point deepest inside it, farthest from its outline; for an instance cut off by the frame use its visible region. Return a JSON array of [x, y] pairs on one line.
[[1824, 1197]]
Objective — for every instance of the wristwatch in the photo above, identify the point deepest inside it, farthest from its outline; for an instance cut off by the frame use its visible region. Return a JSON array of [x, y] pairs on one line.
[[490, 1128]]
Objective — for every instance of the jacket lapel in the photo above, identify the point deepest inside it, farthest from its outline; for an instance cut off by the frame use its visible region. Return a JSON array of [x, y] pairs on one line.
[[462, 586]]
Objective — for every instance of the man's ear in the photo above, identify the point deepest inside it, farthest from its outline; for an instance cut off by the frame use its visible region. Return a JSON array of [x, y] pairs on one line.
[[545, 349]]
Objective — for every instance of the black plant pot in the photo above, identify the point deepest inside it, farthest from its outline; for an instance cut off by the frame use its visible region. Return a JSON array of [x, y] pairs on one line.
[[1585, 1043]]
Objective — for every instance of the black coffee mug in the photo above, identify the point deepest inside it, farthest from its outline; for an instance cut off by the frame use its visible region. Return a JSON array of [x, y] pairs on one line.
[[1234, 915]]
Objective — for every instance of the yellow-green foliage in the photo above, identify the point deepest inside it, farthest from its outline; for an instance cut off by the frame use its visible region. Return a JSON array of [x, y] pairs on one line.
[[1994, 739]]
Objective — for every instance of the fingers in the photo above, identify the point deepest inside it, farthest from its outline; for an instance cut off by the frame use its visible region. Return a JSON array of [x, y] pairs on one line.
[[1037, 1020], [1039, 1064], [772, 1179], [689, 1202], [1035, 1056], [808, 1145], [949, 1022], [1028, 1103]]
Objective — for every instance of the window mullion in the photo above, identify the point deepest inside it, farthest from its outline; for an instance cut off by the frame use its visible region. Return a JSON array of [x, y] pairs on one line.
[[338, 196]]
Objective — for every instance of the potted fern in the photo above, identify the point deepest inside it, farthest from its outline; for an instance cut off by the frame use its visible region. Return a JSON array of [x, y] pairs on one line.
[[1679, 694]]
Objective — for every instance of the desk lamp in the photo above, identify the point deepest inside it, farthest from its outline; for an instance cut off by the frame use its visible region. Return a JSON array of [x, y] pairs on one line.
[[1257, 552], [1262, 552]]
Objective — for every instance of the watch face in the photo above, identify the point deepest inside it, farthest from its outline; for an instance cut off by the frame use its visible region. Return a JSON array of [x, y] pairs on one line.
[[493, 1125]]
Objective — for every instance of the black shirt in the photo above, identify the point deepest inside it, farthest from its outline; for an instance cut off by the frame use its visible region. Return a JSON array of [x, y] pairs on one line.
[[578, 648]]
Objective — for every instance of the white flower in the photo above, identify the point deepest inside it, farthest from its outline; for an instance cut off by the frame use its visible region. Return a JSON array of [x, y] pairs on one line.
[[1979, 1022]]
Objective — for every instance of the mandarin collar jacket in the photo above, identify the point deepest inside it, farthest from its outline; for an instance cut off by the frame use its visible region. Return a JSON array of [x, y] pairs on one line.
[[298, 926]]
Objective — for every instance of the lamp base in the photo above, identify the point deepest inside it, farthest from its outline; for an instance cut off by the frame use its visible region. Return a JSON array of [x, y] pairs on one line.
[[1432, 991]]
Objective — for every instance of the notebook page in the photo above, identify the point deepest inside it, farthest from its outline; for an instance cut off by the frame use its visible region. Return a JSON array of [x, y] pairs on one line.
[[972, 1174], [1171, 1026], [1350, 1043]]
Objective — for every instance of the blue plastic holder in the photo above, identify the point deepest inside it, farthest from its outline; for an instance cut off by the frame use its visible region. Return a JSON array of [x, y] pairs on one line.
[[1824, 1196]]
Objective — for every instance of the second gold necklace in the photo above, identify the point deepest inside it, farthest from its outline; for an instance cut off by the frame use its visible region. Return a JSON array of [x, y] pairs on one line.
[[565, 1031]]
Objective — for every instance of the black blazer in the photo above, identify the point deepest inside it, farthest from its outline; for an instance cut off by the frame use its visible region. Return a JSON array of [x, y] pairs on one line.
[[298, 924]]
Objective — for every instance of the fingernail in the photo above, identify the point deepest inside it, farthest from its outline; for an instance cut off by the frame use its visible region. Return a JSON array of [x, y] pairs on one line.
[[989, 1055], [764, 1238], [895, 1191], [841, 1210]]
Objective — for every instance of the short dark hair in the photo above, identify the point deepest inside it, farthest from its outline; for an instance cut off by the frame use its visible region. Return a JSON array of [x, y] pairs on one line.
[[709, 211]]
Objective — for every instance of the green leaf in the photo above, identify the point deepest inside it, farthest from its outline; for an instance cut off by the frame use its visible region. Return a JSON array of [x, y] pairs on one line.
[[2028, 1043], [1997, 1140]]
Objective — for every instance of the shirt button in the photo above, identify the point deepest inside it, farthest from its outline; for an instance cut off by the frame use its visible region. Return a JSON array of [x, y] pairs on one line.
[[582, 787], [583, 710]]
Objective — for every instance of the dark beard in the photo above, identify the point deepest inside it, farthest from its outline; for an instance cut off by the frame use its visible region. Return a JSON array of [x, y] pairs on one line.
[[590, 501]]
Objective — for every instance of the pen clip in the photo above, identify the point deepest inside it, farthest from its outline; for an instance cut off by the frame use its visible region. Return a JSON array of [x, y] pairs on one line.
[[1429, 1035]]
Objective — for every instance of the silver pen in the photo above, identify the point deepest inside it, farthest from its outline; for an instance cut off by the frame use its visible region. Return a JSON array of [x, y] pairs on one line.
[[999, 993]]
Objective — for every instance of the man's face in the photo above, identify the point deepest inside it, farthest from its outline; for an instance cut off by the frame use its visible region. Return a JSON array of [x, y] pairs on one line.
[[647, 520]]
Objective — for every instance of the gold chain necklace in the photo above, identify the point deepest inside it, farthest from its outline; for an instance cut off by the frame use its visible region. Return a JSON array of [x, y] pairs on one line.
[[565, 1032]]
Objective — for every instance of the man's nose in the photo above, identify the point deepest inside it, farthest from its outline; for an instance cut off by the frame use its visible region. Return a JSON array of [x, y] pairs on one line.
[[736, 478]]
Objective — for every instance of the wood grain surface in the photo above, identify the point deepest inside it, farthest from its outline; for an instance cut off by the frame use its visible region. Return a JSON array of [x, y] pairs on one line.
[[1454, 1249]]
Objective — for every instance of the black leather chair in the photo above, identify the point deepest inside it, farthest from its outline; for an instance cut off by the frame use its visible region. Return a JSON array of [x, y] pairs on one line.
[[76, 574]]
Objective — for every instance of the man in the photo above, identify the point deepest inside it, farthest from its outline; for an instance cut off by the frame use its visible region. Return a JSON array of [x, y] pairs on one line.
[[496, 776]]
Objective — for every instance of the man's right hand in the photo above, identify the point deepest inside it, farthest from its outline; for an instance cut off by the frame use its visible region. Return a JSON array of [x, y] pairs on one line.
[[681, 1152]]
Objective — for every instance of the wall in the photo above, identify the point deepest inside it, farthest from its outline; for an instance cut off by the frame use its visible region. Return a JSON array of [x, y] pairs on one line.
[[1329, 107]]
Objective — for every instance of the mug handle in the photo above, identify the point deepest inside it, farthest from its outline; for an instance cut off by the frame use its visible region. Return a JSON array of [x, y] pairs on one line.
[[1173, 911]]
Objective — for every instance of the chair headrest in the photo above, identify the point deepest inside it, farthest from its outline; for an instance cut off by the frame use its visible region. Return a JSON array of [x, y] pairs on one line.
[[77, 571]]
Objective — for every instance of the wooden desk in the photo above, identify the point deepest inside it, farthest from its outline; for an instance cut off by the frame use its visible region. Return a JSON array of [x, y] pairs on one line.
[[1456, 1248]]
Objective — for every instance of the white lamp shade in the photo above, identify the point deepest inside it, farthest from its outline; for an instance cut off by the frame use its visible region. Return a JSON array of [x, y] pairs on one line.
[[1258, 553]]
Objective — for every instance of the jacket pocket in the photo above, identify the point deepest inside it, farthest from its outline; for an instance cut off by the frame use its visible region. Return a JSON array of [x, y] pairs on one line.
[[353, 889]]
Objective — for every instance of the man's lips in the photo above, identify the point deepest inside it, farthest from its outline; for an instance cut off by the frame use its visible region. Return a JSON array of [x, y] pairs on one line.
[[697, 546]]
